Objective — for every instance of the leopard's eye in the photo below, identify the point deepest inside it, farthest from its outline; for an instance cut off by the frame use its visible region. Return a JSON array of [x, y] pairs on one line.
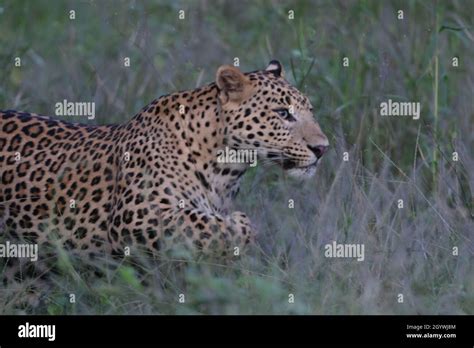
[[285, 114]]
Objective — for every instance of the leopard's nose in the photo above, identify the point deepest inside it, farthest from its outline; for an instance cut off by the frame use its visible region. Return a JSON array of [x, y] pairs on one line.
[[318, 150]]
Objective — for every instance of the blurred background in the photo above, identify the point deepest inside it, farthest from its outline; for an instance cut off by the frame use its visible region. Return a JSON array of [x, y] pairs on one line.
[[408, 251]]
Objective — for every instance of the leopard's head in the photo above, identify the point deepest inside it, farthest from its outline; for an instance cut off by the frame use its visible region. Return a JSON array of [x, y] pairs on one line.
[[265, 113]]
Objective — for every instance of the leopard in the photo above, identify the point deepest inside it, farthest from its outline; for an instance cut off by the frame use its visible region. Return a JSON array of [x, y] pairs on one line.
[[155, 182]]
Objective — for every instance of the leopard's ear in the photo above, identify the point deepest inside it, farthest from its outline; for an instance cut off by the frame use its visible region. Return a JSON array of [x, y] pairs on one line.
[[275, 68], [233, 84]]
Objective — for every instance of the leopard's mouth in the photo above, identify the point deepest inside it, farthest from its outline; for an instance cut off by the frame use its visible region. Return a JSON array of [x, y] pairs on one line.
[[290, 164], [303, 172], [292, 167]]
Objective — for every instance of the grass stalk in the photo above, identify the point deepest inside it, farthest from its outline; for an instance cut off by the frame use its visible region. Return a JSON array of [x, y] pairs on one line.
[[434, 163]]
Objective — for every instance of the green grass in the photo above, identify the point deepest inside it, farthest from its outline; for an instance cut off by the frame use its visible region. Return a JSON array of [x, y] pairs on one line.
[[408, 250]]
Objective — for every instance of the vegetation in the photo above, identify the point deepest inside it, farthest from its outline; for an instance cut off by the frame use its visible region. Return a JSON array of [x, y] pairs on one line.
[[408, 251]]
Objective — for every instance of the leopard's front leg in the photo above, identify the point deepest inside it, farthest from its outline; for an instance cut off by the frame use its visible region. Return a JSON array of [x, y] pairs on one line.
[[209, 233]]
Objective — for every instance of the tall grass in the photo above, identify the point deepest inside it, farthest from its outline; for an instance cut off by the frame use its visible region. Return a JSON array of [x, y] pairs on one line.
[[409, 251], [435, 101]]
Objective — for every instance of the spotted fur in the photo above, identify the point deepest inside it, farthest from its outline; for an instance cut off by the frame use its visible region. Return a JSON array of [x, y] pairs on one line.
[[153, 182]]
